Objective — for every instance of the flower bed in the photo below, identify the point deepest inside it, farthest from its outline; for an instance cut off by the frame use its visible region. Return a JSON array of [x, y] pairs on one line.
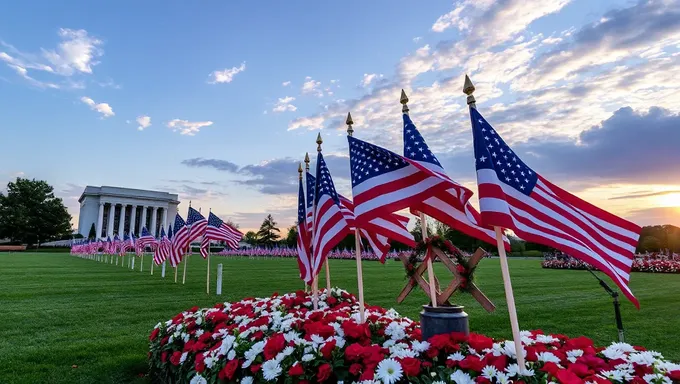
[[281, 340], [639, 265]]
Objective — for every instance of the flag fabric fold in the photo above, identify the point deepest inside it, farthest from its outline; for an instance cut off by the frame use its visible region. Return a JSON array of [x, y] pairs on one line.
[[513, 196], [304, 258], [180, 235], [218, 230]]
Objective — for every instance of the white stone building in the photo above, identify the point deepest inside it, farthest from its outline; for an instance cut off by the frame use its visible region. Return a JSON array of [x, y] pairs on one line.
[[115, 210]]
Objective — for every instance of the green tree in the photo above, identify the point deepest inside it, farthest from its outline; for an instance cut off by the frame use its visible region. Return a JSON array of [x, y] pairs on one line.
[[291, 239], [93, 232], [250, 238], [650, 244], [268, 233], [30, 213]]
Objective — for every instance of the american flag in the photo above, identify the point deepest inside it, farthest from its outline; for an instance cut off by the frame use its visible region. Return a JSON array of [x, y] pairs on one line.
[[145, 239], [124, 245], [311, 182], [108, 247], [384, 182], [513, 196], [330, 226], [304, 258], [179, 240], [218, 230], [162, 250], [197, 225], [116, 246], [452, 206]]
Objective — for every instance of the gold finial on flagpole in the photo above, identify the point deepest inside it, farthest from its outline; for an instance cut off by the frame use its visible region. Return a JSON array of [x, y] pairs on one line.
[[349, 123], [300, 170], [468, 89], [307, 161], [404, 100], [319, 141]]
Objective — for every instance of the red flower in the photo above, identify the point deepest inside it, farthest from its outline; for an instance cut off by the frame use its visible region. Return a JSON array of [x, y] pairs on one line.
[[356, 331], [482, 380], [296, 370], [174, 359], [355, 369], [332, 301], [580, 370], [411, 366], [199, 364], [440, 342], [327, 349], [641, 370], [479, 342], [353, 352], [227, 373], [580, 342], [550, 368], [367, 374], [164, 357], [274, 345], [255, 368], [473, 363], [319, 328], [432, 352], [324, 372], [674, 375], [154, 334], [565, 376]]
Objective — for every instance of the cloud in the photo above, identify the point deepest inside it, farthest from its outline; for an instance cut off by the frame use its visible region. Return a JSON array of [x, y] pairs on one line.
[[226, 75], [655, 216], [285, 83], [144, 122], [189, 128], [284, 104], [311, 123], [644, 194], [220, 165], [76, 53], [285, 217], [311, 86], [103, 108], [369, 78]]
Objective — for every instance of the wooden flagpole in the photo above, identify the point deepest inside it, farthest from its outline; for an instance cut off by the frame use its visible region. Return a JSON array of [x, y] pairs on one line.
[[315, 278], [141, 262], [207, 277], [186, 260], [469, 89], [357, 245], [423, 225], [175, 274], [152, 262], [319, 141]]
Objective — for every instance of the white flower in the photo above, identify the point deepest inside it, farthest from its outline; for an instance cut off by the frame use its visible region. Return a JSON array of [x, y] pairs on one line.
[[420, 346], [489, 372], [395, 331], [613, 375], [657, 378], [247, 380], [199, 332], [456, 357], [307, 357], [460, 377], [512, 370], [209, 361], [574, 354], [548, 357], [545, 339], [271, 370], [198, 379], [231, 355], [183, 358], [389, 371], [502, 378], [642, 358], [199, 321]]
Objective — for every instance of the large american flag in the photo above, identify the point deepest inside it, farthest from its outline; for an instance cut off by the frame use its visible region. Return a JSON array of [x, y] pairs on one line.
[[513, 196], [311, 182], [304, 258], [196, 223], [329, 225], [161, 253], [451, 206], [179, 240], [218, 230]]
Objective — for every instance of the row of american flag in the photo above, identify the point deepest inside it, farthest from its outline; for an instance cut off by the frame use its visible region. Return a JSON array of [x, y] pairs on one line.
[[512, 196], [171, 245]]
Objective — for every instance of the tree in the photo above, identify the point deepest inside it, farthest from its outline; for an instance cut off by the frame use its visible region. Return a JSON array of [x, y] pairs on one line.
[[268, 233], [291, 239], [232, 224], [93, 232], [250, 238], [30, 212]]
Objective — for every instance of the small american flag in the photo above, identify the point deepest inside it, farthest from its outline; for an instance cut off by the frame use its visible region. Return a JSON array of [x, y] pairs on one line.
[[161, 252], [513, 196], [218, 230], [304, 258], [145, 239], [330, 226], [451, 206], [310, 182], [197, 225], [179, 240]]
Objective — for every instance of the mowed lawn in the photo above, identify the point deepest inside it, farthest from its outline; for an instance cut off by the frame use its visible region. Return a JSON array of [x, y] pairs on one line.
[[69, 320]]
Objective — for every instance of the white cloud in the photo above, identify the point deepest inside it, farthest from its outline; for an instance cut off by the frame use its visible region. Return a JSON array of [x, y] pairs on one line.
[[103, 108], [189, 128], [226, 75], [284, 104], [311, 86], [417, 39], [76, 53], [144, 122], [369, 78], [311, 123], [286, 83]]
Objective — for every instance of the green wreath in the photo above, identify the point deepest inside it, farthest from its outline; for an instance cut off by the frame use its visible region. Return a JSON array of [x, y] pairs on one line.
[[422, 251]]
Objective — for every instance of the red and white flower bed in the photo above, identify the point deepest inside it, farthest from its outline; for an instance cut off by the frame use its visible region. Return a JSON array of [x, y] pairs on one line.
[[282, 340], [639, 265]]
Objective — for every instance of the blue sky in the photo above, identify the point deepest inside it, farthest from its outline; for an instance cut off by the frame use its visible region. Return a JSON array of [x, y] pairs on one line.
[[217, 101]]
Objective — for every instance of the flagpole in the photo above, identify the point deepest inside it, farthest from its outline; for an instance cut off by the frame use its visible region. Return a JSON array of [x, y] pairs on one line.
[[175, 274], [141, 262], [328, 269], [357, 245], [315, 279], [207, 277], [468, 89], [152, 262], [423, 226], [184, 274]]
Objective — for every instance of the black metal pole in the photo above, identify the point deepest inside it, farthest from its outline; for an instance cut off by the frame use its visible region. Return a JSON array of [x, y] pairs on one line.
[[617, 305]]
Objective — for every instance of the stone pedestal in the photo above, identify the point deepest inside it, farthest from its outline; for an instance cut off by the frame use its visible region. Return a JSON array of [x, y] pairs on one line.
[[442, 320]]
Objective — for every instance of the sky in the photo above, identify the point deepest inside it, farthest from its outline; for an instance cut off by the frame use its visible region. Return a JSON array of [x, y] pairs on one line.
[[219, 101]]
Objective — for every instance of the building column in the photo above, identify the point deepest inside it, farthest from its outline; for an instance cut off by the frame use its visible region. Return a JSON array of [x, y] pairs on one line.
[[164, 220], [153, 221], [133, 218], [112, 213], [121, 221], [100, 221], [142, 223]]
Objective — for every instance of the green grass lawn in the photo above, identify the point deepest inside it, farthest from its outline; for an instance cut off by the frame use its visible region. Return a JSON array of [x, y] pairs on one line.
[[59, 311]]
